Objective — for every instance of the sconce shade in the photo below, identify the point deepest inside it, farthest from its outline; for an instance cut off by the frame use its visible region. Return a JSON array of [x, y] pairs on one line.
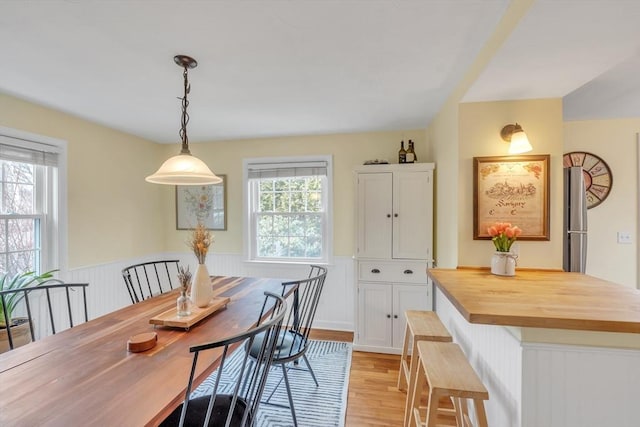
[[518, 139], [184, 169]]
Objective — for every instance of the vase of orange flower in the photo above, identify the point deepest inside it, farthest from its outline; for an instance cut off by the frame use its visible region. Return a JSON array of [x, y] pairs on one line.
[[503, 261], [201, 290]]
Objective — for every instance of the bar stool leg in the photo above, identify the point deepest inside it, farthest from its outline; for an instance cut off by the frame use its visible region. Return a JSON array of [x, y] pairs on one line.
[[413, 370], [432, 409], [481, 415], [462, 412], [412, 405], [402, 375], [458, 410]]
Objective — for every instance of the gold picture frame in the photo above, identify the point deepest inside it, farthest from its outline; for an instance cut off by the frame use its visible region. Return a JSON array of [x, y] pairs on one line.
[[202, 203], [513, 189]]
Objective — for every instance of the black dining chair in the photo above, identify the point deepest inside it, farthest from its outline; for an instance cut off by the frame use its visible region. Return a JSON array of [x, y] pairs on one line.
[[151, 278], [239, 407], [294, 338], [37, 311]]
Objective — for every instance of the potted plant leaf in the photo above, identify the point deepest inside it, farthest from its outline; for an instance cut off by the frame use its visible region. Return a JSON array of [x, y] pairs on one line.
[[20, 331]]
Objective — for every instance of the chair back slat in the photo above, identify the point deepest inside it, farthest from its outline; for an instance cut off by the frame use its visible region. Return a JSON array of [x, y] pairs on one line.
[[53, 297], [306, 297], [50, 311], [151, 278]]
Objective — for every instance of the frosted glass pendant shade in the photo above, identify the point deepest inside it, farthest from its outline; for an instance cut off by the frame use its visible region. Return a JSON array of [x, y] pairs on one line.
[[184, 169], [519, 143]]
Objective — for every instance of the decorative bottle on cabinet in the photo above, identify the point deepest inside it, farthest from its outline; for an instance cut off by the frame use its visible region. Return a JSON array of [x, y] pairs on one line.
[[411, 155], [402, 154], [394, 223]]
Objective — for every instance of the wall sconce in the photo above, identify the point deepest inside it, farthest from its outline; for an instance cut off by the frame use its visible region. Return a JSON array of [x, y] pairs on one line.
[[518, 139]]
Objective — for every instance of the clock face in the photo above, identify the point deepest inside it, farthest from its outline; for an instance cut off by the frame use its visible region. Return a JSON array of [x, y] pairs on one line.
[[597, 175]]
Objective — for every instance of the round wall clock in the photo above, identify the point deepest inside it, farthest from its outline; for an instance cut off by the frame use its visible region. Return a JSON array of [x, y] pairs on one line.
[[597, 175]]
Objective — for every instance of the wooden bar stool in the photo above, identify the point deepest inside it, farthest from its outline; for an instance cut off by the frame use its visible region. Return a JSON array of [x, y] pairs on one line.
[[421, 326], [446, 372]]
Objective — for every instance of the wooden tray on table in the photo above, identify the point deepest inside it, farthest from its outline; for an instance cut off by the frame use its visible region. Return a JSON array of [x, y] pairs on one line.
[[170, 317]]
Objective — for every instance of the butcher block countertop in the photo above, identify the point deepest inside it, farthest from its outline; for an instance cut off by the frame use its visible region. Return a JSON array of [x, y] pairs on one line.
[[541, 299]]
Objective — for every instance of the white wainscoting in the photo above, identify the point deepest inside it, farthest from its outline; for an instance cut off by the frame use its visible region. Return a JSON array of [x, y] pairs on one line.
[[575, 386], [496, 356], [107, 291]]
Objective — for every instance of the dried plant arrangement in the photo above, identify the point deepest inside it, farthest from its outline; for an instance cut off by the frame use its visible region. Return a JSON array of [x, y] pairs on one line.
[[199, 243], [184, 277]]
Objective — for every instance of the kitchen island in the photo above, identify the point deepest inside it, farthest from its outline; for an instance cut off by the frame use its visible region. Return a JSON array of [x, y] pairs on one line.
[[554, 349]]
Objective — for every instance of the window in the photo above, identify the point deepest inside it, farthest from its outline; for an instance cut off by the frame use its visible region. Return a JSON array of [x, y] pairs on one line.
[[29, 219], [288, 209]]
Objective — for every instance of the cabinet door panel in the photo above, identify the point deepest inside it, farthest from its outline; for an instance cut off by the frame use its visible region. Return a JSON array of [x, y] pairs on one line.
[[374, 215], [407, 297], [412, 227], [374, 317]]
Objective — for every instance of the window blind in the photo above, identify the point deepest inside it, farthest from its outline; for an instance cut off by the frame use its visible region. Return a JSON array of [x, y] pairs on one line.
[[286, 170], [35, 153]]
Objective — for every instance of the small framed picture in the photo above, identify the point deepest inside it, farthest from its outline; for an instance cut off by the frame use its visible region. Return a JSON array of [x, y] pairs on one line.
[[206, 204], [513, 189]]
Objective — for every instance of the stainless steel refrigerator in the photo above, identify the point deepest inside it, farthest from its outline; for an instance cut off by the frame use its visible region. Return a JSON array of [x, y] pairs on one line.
[[575, 221]]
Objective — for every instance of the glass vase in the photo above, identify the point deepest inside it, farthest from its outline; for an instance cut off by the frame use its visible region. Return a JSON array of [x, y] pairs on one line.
[[182, 304]]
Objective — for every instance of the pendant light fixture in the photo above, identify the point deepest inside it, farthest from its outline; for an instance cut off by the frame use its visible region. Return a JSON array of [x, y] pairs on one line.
[[184, 169]]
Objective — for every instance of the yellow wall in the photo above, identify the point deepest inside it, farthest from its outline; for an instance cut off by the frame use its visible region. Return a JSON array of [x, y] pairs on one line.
[[443, 138], [615, 142], [444, 142], [113, 213], [348, 151], [480, 125]]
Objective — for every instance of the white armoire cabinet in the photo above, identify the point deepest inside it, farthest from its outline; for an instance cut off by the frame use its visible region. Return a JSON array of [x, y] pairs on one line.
[[394, 228]]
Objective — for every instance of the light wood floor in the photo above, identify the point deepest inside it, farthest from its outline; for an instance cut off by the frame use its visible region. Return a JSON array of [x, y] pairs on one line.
[[373, 398]]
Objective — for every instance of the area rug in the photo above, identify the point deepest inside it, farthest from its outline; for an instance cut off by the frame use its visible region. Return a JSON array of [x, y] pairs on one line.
[[322, 406]]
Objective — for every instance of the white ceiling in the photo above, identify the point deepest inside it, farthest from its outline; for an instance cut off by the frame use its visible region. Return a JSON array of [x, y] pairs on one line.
[[276, 68], [561, 45]]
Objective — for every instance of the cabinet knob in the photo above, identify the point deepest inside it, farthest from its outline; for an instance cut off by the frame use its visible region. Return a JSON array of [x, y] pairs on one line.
[[395, 316], [395, 215], [388, 215], [375, 271], [408, 272], [388, 316]]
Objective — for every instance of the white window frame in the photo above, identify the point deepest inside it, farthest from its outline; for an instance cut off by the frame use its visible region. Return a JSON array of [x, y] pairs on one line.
[[54, 243], [248, 228]]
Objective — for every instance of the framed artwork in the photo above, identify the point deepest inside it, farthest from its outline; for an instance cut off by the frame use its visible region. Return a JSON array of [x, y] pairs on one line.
[[512, 189], [202, 203]]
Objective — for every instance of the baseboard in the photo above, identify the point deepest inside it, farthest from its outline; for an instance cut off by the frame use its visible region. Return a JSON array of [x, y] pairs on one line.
[[332, 325], [374, 349]]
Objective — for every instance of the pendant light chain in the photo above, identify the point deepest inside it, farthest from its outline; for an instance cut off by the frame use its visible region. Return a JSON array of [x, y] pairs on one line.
[[185, 116]]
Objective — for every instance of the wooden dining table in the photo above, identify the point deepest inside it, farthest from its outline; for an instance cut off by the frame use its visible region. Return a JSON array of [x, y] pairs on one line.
[[85, 375]]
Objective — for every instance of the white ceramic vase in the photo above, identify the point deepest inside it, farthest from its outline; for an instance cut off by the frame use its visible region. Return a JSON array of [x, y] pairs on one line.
[[503, 264], [201, 290]]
